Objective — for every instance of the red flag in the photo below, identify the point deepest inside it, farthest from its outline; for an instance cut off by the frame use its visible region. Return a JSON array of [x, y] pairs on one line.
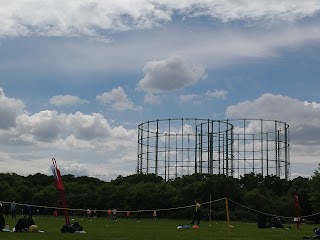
[[56, 174], [59, 185]]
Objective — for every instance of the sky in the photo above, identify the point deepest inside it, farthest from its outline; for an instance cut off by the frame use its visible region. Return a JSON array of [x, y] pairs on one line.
[[77, 77]]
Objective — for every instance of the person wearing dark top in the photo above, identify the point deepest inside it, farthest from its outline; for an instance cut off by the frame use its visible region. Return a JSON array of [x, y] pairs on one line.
[[2, 221], [197, 213]]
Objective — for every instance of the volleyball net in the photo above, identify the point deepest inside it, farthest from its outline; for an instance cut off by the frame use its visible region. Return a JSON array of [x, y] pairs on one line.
[[218, 209]]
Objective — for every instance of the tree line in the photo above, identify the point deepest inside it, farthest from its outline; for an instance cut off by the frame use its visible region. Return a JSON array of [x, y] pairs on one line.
[[268, 194]]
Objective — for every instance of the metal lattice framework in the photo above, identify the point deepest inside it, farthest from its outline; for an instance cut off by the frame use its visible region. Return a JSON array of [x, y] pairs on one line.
[[171, 148]]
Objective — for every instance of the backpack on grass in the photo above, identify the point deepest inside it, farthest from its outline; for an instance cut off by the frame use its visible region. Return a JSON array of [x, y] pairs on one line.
[[71, 228]]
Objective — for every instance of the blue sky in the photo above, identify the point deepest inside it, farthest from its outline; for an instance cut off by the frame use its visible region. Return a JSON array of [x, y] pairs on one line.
[[77, 78]]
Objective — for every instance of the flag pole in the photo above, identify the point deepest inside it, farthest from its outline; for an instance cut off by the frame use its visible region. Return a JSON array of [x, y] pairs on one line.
[[297, 209]]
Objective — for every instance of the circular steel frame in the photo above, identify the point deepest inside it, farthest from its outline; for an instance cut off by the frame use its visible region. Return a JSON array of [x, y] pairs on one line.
[[171, 148]]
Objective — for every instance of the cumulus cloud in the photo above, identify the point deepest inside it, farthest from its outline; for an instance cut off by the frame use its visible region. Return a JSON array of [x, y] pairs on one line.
[[170, 74], [217, 93], [189, 98], [82, 142], [118, 99], [303, 119], [49, 126], [44, 126], [62, 100], [26, 165], [313, 104], [10, 108], [74, 168], [88, 127], [150, 98], [82, 17], [77, 130], [91, 170], [270, 106]]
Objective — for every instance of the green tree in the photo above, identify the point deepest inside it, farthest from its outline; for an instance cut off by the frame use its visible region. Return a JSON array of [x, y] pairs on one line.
[[302, 187], [251, 181], [314, 190]]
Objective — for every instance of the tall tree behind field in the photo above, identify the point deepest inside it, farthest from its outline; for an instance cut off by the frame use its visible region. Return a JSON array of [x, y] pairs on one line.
[[315, 190]]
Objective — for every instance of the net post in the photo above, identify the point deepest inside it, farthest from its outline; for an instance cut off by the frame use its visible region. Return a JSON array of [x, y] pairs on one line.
[[210, 212], [228, 217]]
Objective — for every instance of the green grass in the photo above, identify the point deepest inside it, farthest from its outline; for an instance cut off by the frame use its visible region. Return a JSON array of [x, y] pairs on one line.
[[162, 229]]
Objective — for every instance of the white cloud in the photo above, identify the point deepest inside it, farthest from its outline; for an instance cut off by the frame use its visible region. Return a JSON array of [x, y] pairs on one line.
[[212, 49], [118, 99], [49, 128], [303, 119], [88, 127], [10, 108], [313, 104], [74, 168], [81, 142], [83, 17], [67, 164], [45, 126], [283, 108], [217, 93], [189, 98], [263, 10], [150, 98], [69, 131], [26, 165], [170, 74], [62, 100]]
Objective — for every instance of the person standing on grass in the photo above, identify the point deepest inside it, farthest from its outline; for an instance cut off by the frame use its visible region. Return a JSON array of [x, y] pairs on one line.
[[88, 213], [72, 214], [30, 211], [197, 213], [2, 220], [45, 211], [114, 214], [13, 209], [154, 215], [95, 214], [139, 215]]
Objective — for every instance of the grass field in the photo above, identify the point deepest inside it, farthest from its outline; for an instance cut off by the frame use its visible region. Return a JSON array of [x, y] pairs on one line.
[[163, 229]]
